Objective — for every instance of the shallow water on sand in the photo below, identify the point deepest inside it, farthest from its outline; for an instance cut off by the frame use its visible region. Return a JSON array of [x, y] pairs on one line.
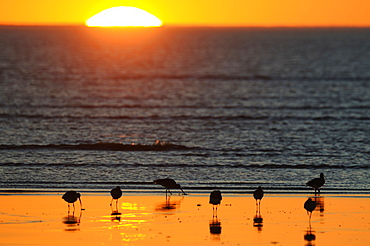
[[153, 220]]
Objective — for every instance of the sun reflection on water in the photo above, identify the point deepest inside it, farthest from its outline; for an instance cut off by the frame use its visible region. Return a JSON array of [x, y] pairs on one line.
[[132, 206], [130, 218], [131, 238]]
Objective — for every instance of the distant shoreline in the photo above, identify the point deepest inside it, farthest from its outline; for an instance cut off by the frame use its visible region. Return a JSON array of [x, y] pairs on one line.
[[189, 26], [175, 194]]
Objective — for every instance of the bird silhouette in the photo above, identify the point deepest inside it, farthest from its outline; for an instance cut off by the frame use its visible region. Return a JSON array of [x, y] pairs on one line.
[[258, 220], [116, 193], [71, 197], [215, 199], [316, 183], [169, 184], [258, 194], [310, 206]]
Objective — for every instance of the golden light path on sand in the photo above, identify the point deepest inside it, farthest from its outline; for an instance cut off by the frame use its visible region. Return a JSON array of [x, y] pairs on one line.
[[151, 220]]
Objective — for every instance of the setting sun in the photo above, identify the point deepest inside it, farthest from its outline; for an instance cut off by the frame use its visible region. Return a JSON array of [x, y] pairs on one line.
[[123, 17]]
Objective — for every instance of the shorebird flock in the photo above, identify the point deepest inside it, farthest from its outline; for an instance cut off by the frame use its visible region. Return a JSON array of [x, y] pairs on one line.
[[215, 197]]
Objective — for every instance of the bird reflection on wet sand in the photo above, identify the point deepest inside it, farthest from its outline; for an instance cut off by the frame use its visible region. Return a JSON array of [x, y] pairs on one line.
[[72, 221], [310, 236], [258, 220], [115, 214], [215, 225], [310, 206], [320, 205], [315, 203], [168, 205]]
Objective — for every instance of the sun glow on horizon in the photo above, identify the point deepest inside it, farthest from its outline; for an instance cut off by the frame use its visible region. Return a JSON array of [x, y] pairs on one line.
[[123, 16]]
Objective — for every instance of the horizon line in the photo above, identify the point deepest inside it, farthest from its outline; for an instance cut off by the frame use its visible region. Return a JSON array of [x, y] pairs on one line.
[[192, 26]]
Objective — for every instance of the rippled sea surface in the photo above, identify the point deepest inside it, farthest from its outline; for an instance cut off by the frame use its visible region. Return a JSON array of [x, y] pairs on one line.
[[232, 108]]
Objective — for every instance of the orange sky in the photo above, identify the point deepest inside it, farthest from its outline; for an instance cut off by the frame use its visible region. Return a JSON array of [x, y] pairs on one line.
[[195, 12]]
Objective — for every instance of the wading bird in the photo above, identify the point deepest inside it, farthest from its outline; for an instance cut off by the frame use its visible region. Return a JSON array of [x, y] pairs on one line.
[[258, 220], [258, 194], [71, 197], [215, 199], [316, 183], [168, 184], [310, 206], [116, 193]]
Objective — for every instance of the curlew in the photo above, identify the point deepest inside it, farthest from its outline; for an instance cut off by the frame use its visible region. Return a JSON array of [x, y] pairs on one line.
[[316, 183], [215, 198], [258, 220], [168, 184], [71, 197], [116, 193], [258, 194]]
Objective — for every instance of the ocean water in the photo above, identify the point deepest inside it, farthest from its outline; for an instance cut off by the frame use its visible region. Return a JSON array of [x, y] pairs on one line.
[[213, 108]]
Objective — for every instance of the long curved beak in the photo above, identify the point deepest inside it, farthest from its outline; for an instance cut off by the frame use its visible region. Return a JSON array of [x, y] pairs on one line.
[[81, 203], [183, 191]]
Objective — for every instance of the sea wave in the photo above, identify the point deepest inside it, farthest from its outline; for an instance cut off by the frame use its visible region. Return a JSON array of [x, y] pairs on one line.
[[194, 165], [190, 117], [68, 105], [157, 146], [223, 77]]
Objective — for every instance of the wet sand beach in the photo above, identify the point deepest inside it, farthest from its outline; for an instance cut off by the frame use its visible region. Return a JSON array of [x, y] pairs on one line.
[[150, 219]]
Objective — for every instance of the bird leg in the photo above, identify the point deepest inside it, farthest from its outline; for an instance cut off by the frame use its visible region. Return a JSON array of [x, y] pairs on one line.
[[309, 214], [258, 206], [111, 202], [309, 217], [183, 192], [214, 214], [258, 203]]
